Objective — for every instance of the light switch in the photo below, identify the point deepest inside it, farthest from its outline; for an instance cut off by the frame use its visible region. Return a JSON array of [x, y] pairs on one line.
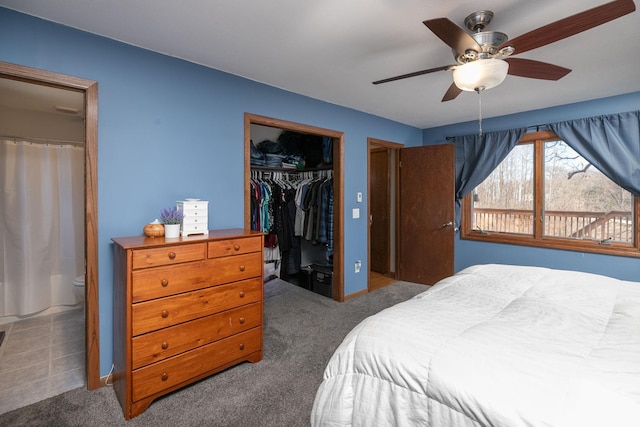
[[359, 197], [356, 213]]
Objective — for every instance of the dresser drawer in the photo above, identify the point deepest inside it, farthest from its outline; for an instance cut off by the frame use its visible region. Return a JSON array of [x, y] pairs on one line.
[[178, 369], [196, 212], [165, 255], [159, 345], [165, 281], [194, 228], [222, 248], [193, 205], [194, 221], [160, 313]]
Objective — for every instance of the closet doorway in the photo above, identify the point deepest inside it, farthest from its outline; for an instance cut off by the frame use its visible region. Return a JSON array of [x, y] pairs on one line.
[[337, 139], [90, 90]]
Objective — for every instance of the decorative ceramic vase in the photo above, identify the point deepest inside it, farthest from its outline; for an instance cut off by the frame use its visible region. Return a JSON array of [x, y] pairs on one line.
[[171, 230], [154, 229]]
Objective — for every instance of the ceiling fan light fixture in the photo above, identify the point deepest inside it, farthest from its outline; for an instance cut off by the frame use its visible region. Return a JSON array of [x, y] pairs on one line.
[[481, 74]]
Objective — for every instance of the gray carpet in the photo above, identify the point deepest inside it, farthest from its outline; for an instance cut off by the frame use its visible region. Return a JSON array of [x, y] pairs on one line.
[[302, 329]]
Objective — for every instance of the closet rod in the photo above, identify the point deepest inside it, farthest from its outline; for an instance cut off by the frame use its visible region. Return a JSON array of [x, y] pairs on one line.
[[291, 170], [37, 140]]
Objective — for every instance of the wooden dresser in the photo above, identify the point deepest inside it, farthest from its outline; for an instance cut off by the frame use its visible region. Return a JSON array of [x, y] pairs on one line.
[[184, 308]]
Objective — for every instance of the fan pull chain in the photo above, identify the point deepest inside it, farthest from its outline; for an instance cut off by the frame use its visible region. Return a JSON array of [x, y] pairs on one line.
[[479, 90]]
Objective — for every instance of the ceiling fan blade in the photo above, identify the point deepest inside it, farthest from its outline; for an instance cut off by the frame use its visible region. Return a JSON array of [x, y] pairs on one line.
[[454, 36], [414, 74], [535, 69], [452, 93], [571, 25]]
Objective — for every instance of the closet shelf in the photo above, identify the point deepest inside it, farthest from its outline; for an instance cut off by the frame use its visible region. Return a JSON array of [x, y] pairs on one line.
[[292, 170]]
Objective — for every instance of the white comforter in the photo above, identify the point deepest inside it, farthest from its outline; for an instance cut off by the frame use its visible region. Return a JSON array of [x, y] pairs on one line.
[[494, 345]]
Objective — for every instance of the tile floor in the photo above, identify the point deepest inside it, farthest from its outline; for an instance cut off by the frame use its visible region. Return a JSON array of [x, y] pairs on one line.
[[41, 357]]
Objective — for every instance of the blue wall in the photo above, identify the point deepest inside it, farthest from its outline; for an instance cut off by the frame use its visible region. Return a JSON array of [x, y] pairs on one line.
[[169, 129], [469, 252]]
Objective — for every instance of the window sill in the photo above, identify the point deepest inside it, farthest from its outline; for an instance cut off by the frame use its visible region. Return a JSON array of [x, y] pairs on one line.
[[617, 249]]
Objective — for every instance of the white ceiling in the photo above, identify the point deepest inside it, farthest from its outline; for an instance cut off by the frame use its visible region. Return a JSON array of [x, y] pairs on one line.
[[333, 49], [19, 95]]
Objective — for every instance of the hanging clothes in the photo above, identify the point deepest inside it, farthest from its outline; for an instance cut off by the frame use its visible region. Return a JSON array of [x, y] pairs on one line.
[[292, 205]]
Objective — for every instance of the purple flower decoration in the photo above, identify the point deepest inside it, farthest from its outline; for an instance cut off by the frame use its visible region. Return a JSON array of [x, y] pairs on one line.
[[171, 216]]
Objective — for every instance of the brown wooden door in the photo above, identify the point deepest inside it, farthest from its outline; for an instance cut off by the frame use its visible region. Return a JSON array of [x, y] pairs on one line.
[[426, 213], [379, 202]]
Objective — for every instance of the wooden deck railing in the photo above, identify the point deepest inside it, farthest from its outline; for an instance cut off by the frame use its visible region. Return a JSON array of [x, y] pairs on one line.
[[615, 225]]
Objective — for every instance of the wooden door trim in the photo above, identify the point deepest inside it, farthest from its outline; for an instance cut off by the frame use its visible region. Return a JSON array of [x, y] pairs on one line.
[[92, 307], [373, 143], [338, 185]]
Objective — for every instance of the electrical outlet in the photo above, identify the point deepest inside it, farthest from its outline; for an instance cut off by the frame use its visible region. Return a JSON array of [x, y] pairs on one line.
[[358, 266]]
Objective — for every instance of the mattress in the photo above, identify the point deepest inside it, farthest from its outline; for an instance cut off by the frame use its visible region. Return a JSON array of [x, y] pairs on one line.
[[494, 345]]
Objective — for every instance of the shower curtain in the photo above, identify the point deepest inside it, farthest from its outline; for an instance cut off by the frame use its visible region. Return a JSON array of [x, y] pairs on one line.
[[41, 225]]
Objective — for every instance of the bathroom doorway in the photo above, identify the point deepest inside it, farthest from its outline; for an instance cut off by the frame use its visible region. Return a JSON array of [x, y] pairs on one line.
[[40, 78], [42, 202]]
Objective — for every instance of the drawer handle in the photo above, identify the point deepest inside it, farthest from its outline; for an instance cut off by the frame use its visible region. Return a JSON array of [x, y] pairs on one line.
[[165, 314], [172, 255], [236, 247], [242, 268], [165, 376], [165, 345], [241, 294], [242, 320], [165, 283], [241, 346]]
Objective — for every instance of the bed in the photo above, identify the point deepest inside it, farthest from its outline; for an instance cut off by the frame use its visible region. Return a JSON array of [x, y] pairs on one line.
[[494, 345]]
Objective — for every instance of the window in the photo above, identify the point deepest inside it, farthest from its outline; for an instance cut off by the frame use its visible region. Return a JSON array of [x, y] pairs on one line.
[[504, 201], [546, 194]]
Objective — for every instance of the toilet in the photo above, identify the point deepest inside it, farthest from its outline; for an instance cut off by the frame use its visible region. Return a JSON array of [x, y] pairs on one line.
[[78, 288]]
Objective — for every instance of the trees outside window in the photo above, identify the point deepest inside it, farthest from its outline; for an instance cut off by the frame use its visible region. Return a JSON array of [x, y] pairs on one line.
[[504, 202]]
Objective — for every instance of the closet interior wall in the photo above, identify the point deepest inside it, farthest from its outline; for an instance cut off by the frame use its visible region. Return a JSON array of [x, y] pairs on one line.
[[286, 188]]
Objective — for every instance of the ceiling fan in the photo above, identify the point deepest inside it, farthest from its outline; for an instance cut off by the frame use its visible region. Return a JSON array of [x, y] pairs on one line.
[[483, 58]]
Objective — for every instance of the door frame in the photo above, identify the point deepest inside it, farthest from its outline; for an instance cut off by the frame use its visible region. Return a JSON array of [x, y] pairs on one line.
[[92, 308], [338, 185], [373, 143]]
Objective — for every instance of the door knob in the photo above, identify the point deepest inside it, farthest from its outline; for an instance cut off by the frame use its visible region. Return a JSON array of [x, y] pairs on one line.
[[447, 224]]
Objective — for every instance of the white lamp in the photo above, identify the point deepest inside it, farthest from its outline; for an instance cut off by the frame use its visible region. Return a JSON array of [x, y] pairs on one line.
[[480, 74]]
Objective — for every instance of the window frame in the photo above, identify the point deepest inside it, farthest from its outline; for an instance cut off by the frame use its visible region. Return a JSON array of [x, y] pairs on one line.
[[538, 239]]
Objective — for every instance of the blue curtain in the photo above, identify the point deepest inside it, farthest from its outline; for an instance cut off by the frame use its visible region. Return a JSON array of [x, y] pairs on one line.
[[477, 156], [611, 143]]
